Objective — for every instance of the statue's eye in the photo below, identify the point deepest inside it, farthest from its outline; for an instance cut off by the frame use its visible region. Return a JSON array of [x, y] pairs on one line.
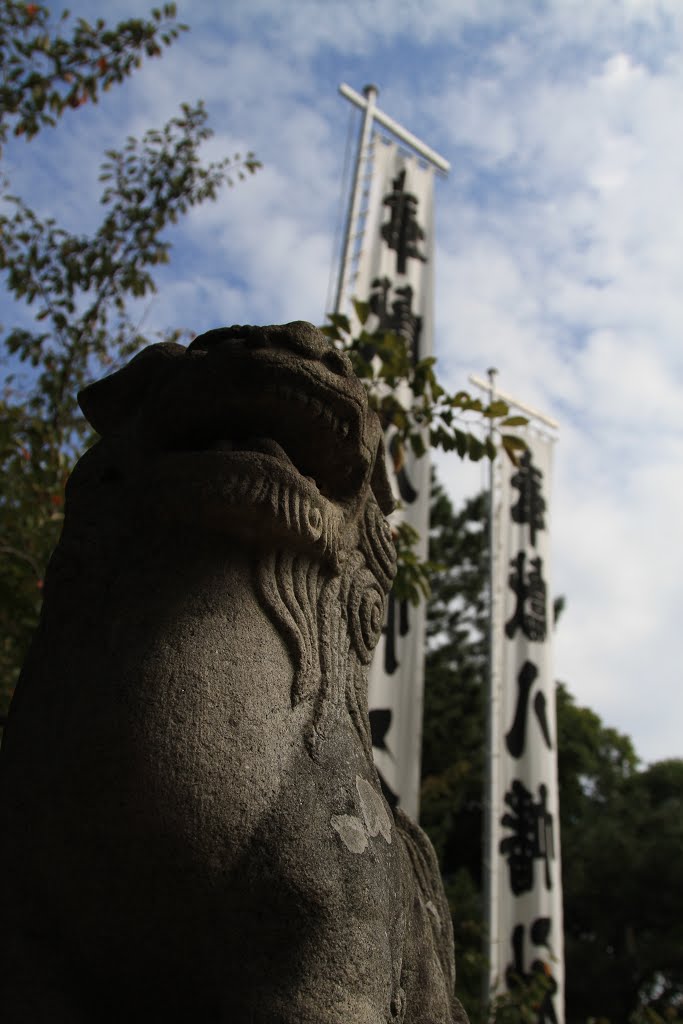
[[336, 362]]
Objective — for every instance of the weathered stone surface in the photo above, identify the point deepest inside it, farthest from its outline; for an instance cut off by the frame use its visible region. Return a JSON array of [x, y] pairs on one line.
[[192, 825]]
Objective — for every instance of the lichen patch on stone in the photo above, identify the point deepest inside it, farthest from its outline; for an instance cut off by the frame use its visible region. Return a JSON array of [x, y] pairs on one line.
[[377, 821], [351, 832]]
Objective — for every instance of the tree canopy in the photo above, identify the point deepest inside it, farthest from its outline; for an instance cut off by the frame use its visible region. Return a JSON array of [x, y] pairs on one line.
[[46, 72], [78, 290]]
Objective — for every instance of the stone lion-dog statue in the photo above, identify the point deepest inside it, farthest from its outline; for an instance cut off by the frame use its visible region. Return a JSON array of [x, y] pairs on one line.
[[192, 827]]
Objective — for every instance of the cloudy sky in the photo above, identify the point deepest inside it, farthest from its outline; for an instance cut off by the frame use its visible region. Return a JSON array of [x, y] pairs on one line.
[[559, 252]]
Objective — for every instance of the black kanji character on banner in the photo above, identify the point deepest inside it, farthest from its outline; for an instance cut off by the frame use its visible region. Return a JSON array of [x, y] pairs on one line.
[[400, 319], [532, 836], [516, 975], [515, 739], [530, 507], [380, 722], [392, 627], [402, 232], [530, 589]]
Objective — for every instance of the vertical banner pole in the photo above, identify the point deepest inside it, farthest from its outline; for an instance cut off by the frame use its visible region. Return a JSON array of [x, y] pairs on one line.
[[370, 92], [490, 878]]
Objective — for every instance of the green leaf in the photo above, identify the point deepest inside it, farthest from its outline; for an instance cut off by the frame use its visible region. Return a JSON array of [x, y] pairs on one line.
[[512, 445], [476, 449], [513, 442], [514, 421], [418, 445], [496, 408], [362, 310], [341, 321], [461, 442]]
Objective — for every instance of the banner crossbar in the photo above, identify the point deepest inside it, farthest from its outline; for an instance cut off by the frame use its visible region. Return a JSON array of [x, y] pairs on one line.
[[534, 413], [396, 129]]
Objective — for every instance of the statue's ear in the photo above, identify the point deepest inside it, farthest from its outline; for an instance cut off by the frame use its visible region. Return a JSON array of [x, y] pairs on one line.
[[110, 401], [379, 481]]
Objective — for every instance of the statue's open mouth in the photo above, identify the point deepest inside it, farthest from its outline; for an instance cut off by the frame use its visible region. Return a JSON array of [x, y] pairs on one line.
[[251, 431], [262, 413], [248, 442]]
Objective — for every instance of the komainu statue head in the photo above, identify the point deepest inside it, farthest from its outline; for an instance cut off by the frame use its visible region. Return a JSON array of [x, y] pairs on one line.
[[251, 430], [194, 822]]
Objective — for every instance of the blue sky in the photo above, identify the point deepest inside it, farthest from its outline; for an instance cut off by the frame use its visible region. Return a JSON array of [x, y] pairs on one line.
[[559, 252]]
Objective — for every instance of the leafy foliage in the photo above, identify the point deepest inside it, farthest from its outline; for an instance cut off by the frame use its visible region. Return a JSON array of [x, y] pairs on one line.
[[34, 472], [45, 73], [407, 395], [522, 1004], [81, 284], [82, 289], [622, 833], [418, 413]]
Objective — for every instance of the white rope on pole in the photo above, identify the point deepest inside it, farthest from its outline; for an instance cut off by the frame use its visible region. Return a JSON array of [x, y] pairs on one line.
[[330, 294], [490, 881]]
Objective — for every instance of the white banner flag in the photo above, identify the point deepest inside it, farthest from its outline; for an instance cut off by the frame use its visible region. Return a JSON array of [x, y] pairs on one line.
[[526, 918], [395, 276]]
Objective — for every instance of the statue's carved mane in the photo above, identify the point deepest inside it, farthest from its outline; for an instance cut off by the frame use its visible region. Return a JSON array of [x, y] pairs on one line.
[[332, 623]]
